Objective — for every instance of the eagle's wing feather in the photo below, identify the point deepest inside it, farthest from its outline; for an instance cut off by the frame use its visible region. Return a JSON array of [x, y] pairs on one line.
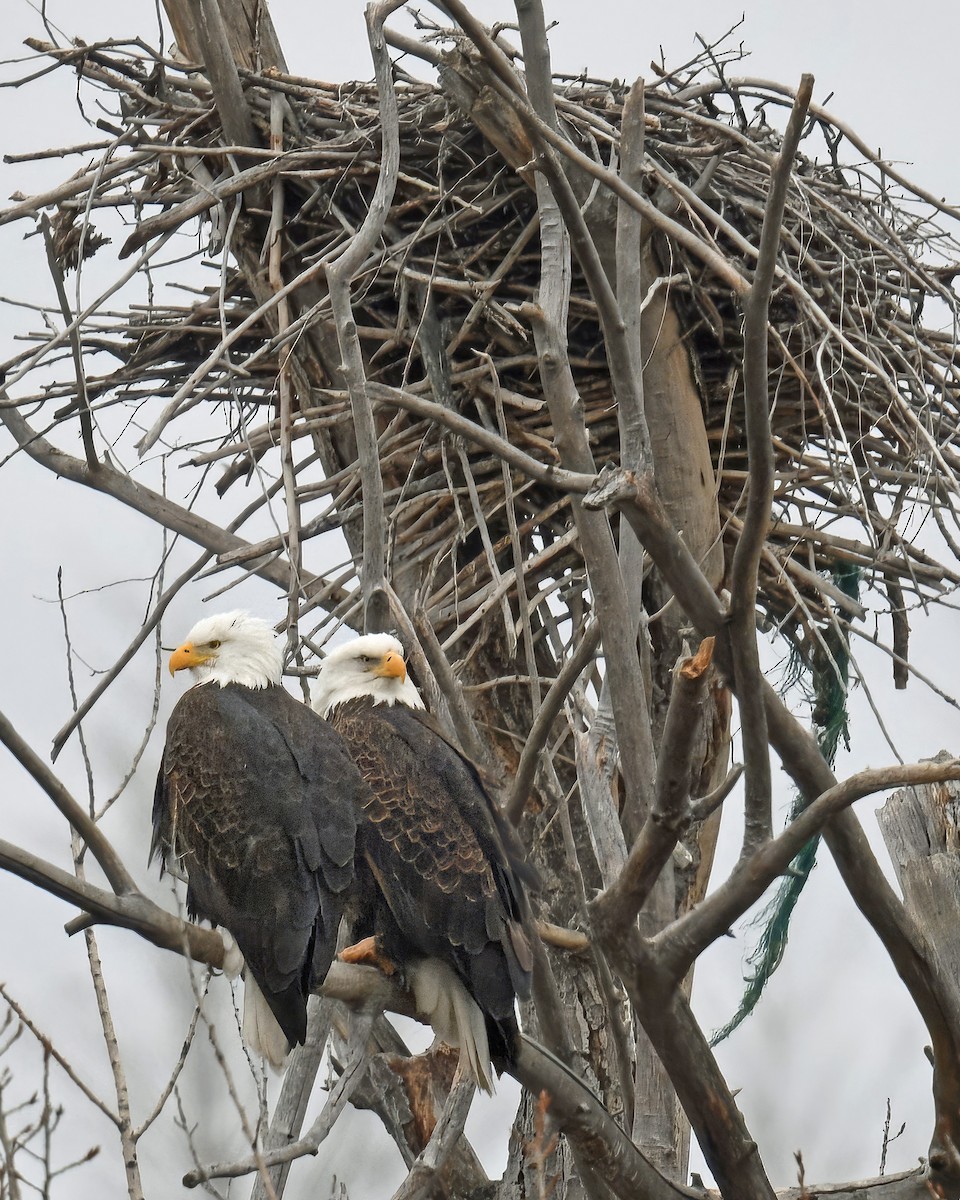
[[257, 800]]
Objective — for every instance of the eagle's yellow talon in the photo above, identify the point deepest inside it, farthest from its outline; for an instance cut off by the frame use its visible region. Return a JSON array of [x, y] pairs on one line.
[[367, 953]]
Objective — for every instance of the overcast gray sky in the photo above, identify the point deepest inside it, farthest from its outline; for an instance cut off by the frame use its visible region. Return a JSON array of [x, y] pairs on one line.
[[835, 1035]]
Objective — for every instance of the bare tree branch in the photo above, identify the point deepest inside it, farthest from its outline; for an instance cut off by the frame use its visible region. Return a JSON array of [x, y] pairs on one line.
[[934, 996], [559, 217], [758, 821], [681, 944], [135, 495], [51, 1049], [83, 400], [617, 907], [715, 261], [128, 911], [339, 274], [117, 875], [146, 629], [559, 477]]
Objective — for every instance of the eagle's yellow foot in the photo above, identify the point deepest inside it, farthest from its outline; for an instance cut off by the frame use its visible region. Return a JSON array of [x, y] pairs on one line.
[[368, 953]]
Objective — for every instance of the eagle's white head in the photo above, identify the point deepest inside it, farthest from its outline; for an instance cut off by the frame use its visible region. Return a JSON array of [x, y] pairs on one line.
[[231, 648], [369, 666]]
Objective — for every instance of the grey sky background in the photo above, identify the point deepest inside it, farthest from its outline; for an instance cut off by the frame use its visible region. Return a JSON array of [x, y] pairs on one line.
[[835, 1035]]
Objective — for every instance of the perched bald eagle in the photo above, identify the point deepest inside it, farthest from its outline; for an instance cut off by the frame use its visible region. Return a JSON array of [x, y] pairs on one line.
[[441, 876], [257, 805]]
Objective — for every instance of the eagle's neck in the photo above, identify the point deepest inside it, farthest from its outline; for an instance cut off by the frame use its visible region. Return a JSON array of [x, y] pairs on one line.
[[255, 667], [329, 693]]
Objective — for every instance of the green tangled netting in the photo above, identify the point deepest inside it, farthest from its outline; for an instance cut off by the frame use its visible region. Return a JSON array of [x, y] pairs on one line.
[[828, 688]]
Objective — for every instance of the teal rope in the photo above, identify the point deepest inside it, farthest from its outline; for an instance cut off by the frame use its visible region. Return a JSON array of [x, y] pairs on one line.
[[829, 693]]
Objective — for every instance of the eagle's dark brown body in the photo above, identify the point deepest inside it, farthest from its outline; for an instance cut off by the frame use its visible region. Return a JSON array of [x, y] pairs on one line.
[[258, 801], [449, 876]]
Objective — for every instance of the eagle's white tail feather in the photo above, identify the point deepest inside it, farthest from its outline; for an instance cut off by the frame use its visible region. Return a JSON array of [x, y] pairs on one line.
[[261, 1031], [455, 1016]]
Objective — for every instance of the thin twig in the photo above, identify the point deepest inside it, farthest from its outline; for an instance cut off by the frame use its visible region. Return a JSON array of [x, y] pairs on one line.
[[549, 710], [51, 1049], [83, 400], [309, 1144]]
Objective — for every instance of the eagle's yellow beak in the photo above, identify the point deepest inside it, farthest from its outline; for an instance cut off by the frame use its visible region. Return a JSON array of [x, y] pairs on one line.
[[187, 656], [391, 666]]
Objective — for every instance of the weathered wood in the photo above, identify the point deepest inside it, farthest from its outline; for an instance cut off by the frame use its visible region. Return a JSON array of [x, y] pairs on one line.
[[251, 37], [675, 416], [921, 827], [908, 1185]]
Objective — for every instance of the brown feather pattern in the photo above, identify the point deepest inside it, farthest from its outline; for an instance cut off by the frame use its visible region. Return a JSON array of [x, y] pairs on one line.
[[257, 801], [449, 875]]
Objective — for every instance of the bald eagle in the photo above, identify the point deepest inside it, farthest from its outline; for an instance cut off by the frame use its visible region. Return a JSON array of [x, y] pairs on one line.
[[256, 805], [440, 872]]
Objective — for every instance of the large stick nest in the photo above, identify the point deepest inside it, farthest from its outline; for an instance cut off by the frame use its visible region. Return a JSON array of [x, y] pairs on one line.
[[863, 393]]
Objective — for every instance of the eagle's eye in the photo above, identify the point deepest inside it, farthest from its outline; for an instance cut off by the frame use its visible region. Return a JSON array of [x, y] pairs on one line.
[[215, 645]]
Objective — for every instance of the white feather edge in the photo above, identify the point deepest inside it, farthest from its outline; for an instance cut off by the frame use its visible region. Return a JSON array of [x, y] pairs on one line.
[[455, 1016], [232, 958], [260, 1030]]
